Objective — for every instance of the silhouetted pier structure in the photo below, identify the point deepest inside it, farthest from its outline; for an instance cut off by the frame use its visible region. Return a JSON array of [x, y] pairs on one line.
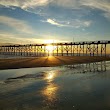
[[89, 48]]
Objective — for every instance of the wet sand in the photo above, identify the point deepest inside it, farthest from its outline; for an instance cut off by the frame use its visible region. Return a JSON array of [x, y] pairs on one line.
[[47, 61]]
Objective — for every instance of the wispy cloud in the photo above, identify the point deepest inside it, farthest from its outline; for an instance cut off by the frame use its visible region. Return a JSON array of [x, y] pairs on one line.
[[16, 24], [6, 37], [71, 23], [24, 4], [99, 4], [103, 5], [87, 23], [27, 5], [107, 15], [53, 22], [76, 23], [17, 38]]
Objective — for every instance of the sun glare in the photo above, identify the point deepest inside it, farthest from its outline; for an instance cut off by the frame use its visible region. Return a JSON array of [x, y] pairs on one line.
[[49, 47], [48, 41]]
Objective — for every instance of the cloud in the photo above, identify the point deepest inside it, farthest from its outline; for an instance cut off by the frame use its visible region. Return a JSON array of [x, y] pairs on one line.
[[24, 4], [71, 23], [42, 7], [103, 5], [107, 15], [76, 23], [32, 5], [99, 4], [87, 23], [67, 3], [6, 37], [80, 23], [54, 22], [17, 38], [16, 24]]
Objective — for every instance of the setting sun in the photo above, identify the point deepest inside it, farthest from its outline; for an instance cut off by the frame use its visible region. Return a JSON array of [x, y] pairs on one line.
[[49, 47], [49, 41]]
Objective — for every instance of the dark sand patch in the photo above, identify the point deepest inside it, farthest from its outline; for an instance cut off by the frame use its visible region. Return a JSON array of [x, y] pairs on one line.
[[48, 61]]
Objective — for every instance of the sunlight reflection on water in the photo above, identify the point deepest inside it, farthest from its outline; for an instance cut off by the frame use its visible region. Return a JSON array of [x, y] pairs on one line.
[[50, 90], [50, 76]]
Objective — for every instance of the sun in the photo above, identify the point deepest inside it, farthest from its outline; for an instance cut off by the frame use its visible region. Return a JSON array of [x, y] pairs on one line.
[[49, 47]]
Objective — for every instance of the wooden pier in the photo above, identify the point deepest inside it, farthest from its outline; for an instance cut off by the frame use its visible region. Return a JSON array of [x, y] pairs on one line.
[[89, 48]]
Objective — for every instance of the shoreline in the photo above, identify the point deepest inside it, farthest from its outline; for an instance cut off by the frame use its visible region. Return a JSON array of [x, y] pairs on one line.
[[50, 61]]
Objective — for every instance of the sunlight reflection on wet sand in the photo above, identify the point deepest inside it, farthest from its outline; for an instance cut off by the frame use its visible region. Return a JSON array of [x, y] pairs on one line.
[[49, 92], [50, 76]]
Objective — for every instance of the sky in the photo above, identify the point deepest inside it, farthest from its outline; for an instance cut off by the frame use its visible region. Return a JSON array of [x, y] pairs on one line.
[[34, 21]]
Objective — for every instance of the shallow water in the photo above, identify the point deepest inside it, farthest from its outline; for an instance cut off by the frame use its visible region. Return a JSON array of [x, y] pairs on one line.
[[70, 87]]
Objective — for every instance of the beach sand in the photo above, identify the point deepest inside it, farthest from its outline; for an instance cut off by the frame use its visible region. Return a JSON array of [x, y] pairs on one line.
[[48, 61]]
